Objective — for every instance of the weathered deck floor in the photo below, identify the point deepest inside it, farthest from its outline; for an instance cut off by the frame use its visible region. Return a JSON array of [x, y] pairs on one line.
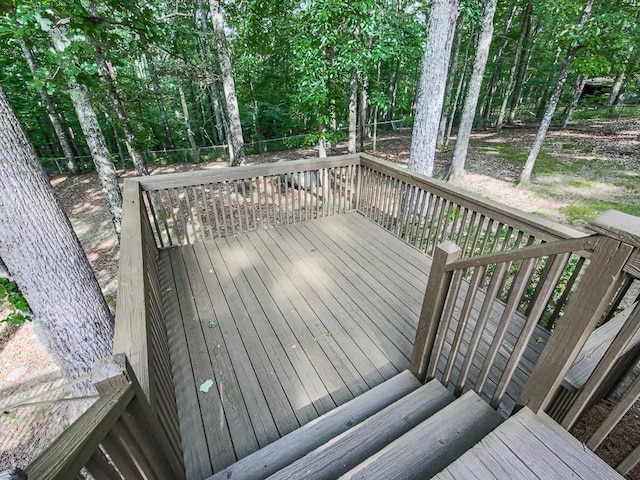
[[284, 324]]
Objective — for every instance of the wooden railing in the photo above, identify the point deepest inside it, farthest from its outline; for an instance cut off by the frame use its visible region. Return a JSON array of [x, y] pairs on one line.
[[189, 207], [117, 437], [140, 330]]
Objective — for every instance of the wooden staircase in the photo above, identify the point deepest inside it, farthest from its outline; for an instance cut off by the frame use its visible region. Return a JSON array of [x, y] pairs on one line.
[[400, 429]]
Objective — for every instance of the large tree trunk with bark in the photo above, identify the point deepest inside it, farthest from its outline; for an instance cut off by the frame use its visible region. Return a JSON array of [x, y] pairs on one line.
[[44, 256], [525, 176], [433, 80], [471, 101], [52, 112], [228, 84], [81, 100], [353, 111]]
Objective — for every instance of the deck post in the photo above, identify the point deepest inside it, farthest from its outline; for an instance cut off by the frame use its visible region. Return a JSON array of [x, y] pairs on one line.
[[583, 312], [113, 373], [432, 307]]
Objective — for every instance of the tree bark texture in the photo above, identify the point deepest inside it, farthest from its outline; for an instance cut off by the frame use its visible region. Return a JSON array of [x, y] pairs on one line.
[[460, 87], [616, 89], [576, 93], [525, 176], [353, 111], [105, 169], [52, 112], [523, 66], [44, 256], [471, 101], [228, 85], [435, 63]]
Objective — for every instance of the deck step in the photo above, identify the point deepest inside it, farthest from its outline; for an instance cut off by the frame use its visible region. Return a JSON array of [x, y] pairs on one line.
[[297, 444], [367, 438], [431, 446], [530, 447]]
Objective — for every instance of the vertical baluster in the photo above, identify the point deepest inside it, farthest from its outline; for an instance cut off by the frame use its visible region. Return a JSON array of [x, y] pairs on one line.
[[198, 213], [463, 226], [470, 233], [152, 203], [557, 263], [519, 287], [434, 208], [229, 203], [481, 324], [168, 199], [444, 205]]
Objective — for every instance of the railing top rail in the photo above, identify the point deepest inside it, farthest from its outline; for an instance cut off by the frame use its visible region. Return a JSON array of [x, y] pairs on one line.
[[200, 177], [529, 223], [583, 245]]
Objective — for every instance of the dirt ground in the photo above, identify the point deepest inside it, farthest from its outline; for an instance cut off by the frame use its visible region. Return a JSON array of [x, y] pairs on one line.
[[27, 371]]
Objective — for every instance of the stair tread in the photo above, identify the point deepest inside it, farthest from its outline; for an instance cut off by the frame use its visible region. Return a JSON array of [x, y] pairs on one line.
[[531, 447], [297, 444], [365, 439], [431, 446]]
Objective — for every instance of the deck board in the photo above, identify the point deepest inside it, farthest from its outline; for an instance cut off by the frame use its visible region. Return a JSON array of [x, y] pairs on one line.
[[305, 317]]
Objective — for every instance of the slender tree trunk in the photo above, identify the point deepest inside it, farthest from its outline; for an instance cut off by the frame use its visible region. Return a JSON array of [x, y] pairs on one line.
[[322, 141], [108, 76], [81, 100], [523, 66], [228, 85], [471, 101], [617, 88], [496, 61], [525, 176], [433, 79], [157, 91], [460, 87], [353, 111], [44, 256], [115, 143], [187, 123], [526, 21], [54, 117], [576, 93], [363, 109], [393, 91], [453, 68]]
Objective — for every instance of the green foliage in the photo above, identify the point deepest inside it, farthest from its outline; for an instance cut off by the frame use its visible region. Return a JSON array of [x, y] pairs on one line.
[[11, 296]]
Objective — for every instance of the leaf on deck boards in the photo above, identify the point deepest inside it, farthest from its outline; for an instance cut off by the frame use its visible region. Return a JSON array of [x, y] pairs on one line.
[[206, 386]]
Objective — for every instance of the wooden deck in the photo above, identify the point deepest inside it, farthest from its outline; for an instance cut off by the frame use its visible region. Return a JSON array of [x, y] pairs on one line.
[[285, 324]]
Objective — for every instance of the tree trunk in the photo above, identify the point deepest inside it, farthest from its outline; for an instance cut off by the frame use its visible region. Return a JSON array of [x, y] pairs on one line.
[[525, 176], [617, 88], [576, 93], [460, 87], [157, 91], [44, 256], [523, 66], [115, 139], [497, 62], [363, 109], [108, 76], [353, 111], [54, 117], [93, 134], [471, 101], [322, 141], [442, 22], [453, 68], [526, 21], [228, 85], [187, 123], [393, 91]]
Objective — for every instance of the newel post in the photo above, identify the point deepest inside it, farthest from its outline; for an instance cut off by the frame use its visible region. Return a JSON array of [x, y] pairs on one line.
[[435, 298], [613, 253]]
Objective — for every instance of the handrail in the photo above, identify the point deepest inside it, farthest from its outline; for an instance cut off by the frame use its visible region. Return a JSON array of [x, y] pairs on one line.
[[117, 436], [140, 328]]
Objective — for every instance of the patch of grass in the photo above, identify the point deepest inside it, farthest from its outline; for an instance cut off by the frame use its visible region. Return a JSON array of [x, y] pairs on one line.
[[605, 113], [546, 164], [588, 209]]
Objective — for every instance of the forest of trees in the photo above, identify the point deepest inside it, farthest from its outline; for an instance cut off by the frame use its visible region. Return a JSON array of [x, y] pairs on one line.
[[111, 80], [194, 74]]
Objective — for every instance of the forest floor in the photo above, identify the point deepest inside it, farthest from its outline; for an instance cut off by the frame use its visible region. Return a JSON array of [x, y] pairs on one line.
[[581, 172]]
